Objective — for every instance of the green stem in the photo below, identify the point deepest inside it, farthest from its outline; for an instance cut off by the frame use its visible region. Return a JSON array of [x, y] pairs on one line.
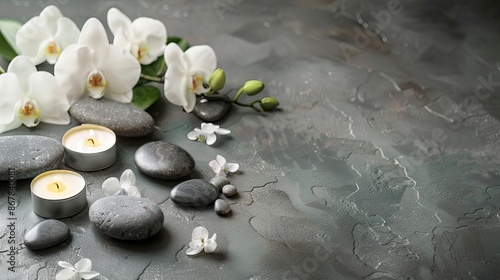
[[153, 79], [226, 99], [240, 91]]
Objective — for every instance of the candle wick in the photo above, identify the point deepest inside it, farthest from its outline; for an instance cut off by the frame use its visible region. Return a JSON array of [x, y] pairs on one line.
[[91, 140], [57, 185]]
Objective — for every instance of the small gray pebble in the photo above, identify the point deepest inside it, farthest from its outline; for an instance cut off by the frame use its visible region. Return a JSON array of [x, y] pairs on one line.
[[220, 181], [229, 190], [45, 234], [194, 193], [211, 111], [221, 207]]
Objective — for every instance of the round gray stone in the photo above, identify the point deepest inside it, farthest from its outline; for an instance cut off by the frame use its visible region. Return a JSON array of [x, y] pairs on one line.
[[221, 207], [46, 234], [195, 193], [164, 160], [26, 156], [124, 119], [211, 111], [220, 181], [126, 217], [229, 190]]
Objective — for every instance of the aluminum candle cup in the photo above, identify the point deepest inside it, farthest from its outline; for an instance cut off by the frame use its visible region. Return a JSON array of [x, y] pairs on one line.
[[58, 194], [89, 147]]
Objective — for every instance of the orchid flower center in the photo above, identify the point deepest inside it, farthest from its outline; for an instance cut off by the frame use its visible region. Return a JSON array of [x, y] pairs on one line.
[[29, 112], [202, 137], [139, 51], [202, 240], [96, 84], [197, 84], [51, 52]]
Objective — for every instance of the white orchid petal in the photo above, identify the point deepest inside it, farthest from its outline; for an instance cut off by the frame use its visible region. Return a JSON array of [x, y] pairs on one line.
[[117, 19], [175, 88], [71, 71], [15, 123], [89, 274], [83, 265], [153, 34], [221, 160], [222, 131], [111, 186], [23, 67], [175, 57], [210, 246], [67, 32], [49, 17], [45, 90], [201, 59], [191, 101], [93, 35], [208, 128], [11, 93], [233, 167], [65, 274], [31, 39], [199, 232], [133, 191], [121, 39], [127, 178], [64, 264], [211, 138], [193, 135], [216, 168], [194, 251]]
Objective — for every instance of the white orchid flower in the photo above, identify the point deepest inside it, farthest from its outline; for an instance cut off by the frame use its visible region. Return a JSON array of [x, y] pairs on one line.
[[94, 66], [44, 37], [29, 97], [187, 74], [81, 270], [124, 186], [201, 242], [207, 133], [221, 167], [144, 37]]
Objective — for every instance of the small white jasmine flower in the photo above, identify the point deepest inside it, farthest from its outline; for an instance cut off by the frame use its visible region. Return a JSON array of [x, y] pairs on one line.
[[81, 270], [126, 185], [221, 167], [187, 74], [201, 242], [207, 133], [44, 37], [144, 37]]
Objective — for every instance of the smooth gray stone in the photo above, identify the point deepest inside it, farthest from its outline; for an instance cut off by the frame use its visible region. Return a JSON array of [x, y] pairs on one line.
[[164, 160], [211, 111], [195, 193], [28, 155], [124, 119], [220, 181], [126, 217], [45, 234], [229, 190], [221, 207]]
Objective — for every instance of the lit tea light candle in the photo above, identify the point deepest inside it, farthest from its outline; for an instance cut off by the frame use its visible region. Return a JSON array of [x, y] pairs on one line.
[[89, 147], [58, 194]]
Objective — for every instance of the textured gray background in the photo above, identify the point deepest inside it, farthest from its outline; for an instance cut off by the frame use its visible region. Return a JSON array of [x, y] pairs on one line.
[[381, 149]]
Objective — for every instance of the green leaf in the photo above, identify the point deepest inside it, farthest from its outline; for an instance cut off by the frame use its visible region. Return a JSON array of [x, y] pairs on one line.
[[8, 30], [145, 96], [2, 70], [183, 44], [156, 68]]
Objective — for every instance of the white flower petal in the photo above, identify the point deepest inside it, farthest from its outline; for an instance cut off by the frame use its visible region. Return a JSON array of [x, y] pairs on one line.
[[23, 67], [208, 128], [127, 178], [211, 138], [88, 274], [111, 186], [194, 251], [193, 135], [64, 264], [93, 35], [221, 160], [117, 20], [31, 39], [201, 59], [15, 123], [49, 17], [11, 93], [45, 90], [210, 246], [83, 265], [71, 71], [216, 168], [175, 88], [67, 32], [133, 191], [233, 167], [222, 131], [153, 33], [65, 274], [199, 232], [175, 57], [191, 101]]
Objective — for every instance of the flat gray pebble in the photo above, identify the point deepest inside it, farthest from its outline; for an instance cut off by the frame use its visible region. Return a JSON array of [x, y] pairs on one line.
[[220, 181], [124, 119], [126, 217], [229, 190], [221, 207], [45, 234], [28, 155], [164, 160], [211, 111], [194, 193]]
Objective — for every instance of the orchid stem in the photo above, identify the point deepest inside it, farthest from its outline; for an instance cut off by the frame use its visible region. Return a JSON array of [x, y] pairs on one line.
[[234, 101], [153, 79]]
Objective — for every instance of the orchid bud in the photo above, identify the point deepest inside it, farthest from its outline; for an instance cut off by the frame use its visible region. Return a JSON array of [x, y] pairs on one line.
[[269, 103], [253, 87], [217, 80]]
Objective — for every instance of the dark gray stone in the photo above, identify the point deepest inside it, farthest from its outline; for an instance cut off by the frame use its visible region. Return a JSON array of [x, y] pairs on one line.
[[46, 234], [126, 217], [211, 111], [220, 181], [195, 193], [164, 160], [28, 155], [229, 190], [221, 207], [124, 119]]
